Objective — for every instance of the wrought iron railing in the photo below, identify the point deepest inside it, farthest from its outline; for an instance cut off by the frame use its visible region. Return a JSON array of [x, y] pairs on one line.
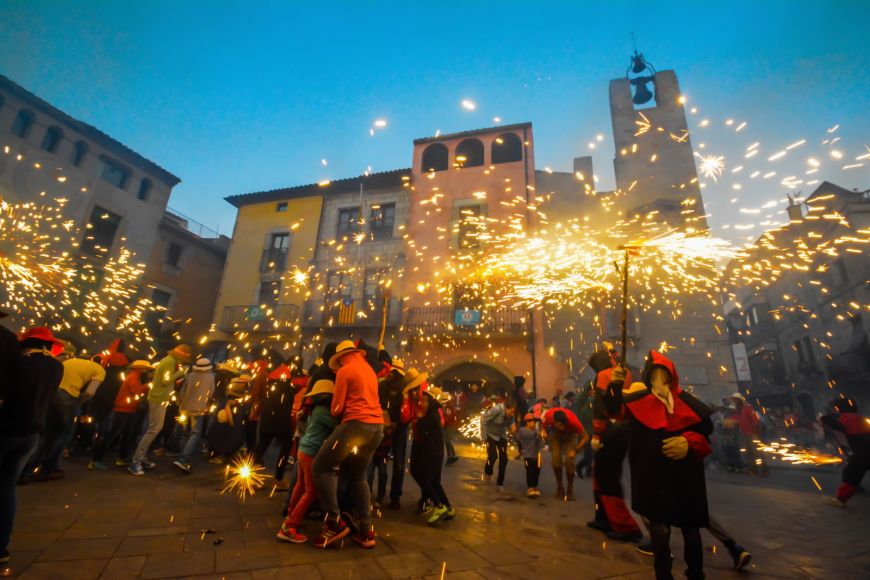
[[260, 318], [455, 320], [357, 312]]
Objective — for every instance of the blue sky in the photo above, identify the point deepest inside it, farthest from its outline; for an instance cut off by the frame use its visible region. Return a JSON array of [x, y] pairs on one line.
[[236, 97]]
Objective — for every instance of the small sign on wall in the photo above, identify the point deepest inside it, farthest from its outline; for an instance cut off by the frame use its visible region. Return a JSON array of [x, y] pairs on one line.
[[466, 318]]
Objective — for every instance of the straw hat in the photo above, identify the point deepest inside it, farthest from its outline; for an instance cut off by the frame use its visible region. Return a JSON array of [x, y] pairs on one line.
[[438, 394], [238, 386], [225, 415], [739, 397], [413, 379], [142, 365], [230, 365], [344, 347], [321, 386], [398, 366], [182, 352], [202, 364]]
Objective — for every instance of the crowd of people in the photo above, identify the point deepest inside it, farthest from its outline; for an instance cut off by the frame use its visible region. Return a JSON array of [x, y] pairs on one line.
[[340, 422]]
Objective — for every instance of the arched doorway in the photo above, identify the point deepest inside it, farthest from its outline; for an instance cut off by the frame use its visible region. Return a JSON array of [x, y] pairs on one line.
[[460, 376]]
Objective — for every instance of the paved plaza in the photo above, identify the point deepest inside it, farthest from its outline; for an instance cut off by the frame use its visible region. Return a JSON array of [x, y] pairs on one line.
[[113, 525]]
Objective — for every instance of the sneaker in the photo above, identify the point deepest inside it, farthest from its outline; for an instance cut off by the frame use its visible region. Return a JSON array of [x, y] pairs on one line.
[[332, 532], [450, 515], [216, 460], [537, 492], [286, 534], [741, 557], [158, 452], [351, 521], [530, 492], [645, 549], [365, 539], [148, 464], [97, 466], [185, 467], [836, 502], [136, 469], [4, 556], [436, 515], [121, 463], [452, 460], [499, 488], [596, 525]]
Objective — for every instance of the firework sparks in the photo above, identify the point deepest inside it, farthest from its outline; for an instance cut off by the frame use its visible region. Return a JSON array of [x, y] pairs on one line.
[[790, 453], [711, 165], [243, 477]]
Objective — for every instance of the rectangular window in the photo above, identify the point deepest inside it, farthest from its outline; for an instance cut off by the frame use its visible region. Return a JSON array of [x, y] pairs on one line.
[[372, 289], [275, 256], [100, 232], [382, 218], [469, 227], [348, 221], [161, 298], [269, 293], [173, 254], [341, 284], [281, 206], [114, 173]]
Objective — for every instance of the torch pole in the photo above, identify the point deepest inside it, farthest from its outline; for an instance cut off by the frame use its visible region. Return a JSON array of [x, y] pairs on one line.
[[385, 308], [624, 310]]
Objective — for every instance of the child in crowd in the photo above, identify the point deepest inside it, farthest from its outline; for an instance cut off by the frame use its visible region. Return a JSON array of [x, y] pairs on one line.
[[227, 434], [529, 442], [422, 409], [379, 462], [846, 419], [318, 426]]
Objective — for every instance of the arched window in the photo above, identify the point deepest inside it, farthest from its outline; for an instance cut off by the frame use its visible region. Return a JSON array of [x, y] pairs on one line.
[[79, 152], [507, 148], [469, 153], [23, 123], [144, 189], [53, 136], [434, 158]]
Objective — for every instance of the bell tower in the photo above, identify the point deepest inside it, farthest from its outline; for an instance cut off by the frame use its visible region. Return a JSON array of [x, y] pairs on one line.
[[654, 162]]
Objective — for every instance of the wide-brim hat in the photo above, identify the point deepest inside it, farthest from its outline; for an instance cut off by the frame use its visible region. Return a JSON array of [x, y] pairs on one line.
[[398, 366], [141, 365], [238, 386], [413, 379], [202, 364], [739, 397], [438, 394], [321, 386], [42, 333], [182, 352], [344, 347], [230, 366]]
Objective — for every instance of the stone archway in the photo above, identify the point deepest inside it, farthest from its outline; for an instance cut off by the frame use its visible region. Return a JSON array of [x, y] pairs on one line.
[[459, 375]]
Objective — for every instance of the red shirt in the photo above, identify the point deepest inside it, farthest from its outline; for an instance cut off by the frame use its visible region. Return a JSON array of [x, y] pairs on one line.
[[356, 393], [573, 425], [748, 420], [131, 392]]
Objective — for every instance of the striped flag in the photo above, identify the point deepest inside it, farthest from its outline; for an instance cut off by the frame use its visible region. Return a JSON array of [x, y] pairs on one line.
[[345, 311]]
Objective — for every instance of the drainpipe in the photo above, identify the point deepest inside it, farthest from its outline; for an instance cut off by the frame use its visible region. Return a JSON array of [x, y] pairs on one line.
[[531, 312]]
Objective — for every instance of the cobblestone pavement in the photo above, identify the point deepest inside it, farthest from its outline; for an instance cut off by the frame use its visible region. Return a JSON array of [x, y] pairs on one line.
[[113, 525]]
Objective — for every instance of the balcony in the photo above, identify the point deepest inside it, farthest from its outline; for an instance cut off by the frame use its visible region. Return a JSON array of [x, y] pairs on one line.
[[457, 321], [273, 260], [259, 318], [352, 313]]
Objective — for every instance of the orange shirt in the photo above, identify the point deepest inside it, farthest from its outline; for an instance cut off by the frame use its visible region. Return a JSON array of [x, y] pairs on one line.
[[356, 393]]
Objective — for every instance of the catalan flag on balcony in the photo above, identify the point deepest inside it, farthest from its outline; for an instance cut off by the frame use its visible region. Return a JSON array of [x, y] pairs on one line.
[[345, 311]]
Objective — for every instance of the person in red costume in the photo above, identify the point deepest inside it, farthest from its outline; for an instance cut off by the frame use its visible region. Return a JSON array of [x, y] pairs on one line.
[[856, 428], [610, 445], [748, 423], [565, 434], [669, 431]]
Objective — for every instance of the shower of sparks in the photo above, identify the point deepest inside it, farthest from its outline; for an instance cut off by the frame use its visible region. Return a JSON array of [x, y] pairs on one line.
[[471, 428], [791, 453], [243, 477], [711, 165]]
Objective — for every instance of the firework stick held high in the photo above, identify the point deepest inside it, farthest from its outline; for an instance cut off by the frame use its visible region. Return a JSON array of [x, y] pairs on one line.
[[385, 307]]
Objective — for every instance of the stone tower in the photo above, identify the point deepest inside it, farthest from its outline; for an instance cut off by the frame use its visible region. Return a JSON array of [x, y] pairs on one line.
[[654, 162]]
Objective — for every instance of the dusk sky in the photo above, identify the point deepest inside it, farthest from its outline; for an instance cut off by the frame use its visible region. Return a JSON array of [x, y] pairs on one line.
[[235, 97]]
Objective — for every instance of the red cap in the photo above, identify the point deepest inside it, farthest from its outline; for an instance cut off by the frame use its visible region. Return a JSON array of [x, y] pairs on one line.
[[39, 333]]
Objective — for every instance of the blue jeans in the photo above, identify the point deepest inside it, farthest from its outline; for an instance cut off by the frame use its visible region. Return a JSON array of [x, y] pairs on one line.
[[59, 428], [14, 453], [193, 439]]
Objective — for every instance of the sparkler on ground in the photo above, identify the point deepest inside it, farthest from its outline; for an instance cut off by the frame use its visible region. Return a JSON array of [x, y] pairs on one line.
[[786, 452], [243, 476]]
